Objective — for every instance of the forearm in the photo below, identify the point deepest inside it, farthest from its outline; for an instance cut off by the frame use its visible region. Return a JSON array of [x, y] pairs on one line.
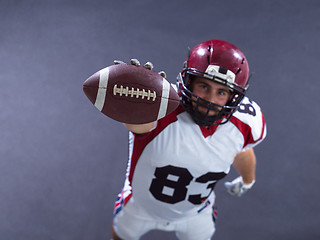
[[245, 164], [140, 128]]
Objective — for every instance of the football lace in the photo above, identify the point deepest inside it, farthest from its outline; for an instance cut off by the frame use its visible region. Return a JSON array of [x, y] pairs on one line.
[[134, 93]]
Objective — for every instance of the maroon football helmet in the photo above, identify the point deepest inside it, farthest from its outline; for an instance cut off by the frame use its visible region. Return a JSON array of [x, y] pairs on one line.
[[221, 62]]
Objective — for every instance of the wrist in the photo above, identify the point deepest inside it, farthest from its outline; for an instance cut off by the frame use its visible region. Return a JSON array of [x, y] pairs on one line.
[[249, 185]]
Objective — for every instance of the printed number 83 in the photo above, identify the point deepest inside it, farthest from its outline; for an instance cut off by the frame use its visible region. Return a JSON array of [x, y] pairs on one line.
[[175, 180]]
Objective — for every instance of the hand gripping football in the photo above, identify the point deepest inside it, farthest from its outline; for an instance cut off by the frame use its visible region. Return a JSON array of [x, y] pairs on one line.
[[131, 94]]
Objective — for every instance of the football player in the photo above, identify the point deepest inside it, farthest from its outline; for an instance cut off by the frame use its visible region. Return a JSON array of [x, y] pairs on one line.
[[174, 163]]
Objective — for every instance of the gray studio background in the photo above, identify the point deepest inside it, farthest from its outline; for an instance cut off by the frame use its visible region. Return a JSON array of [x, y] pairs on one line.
[[62, 163]]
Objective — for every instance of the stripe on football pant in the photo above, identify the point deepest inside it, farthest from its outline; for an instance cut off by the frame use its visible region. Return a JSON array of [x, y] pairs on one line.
[[102, 90], [164, 99]]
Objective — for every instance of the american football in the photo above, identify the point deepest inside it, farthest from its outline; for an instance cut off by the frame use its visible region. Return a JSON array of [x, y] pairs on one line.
[[131, 94]]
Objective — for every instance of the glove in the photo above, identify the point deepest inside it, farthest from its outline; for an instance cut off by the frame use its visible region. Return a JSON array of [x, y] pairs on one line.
[[237, 187], [147, 65]]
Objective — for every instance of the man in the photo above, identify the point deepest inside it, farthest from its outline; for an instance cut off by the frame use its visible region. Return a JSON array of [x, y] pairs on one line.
[[174, 163]]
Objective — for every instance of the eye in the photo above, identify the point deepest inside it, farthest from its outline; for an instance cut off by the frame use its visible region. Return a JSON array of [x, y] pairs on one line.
[[204, 86], [222, 92]]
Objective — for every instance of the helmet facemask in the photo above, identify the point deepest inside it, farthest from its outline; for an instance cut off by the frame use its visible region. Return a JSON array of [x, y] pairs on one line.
[[191, 102]]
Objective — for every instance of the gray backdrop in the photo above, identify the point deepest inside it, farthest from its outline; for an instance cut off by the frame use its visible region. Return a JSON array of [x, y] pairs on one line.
[[62, 162]]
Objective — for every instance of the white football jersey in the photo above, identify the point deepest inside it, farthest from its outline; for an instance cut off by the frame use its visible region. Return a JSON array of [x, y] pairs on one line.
[[173, 169]]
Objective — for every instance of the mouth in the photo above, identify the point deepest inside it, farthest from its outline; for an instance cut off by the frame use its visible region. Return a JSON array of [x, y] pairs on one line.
[[207, 110], [205, 107]]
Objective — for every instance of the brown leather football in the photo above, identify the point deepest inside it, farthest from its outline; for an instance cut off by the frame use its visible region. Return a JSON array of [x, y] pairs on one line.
[[131, 94]]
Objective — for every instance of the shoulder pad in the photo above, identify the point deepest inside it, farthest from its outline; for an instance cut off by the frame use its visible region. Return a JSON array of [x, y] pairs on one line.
[[250, 121]]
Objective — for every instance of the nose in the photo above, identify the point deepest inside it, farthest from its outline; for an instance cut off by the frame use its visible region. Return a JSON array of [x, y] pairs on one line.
[[211, 97]]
